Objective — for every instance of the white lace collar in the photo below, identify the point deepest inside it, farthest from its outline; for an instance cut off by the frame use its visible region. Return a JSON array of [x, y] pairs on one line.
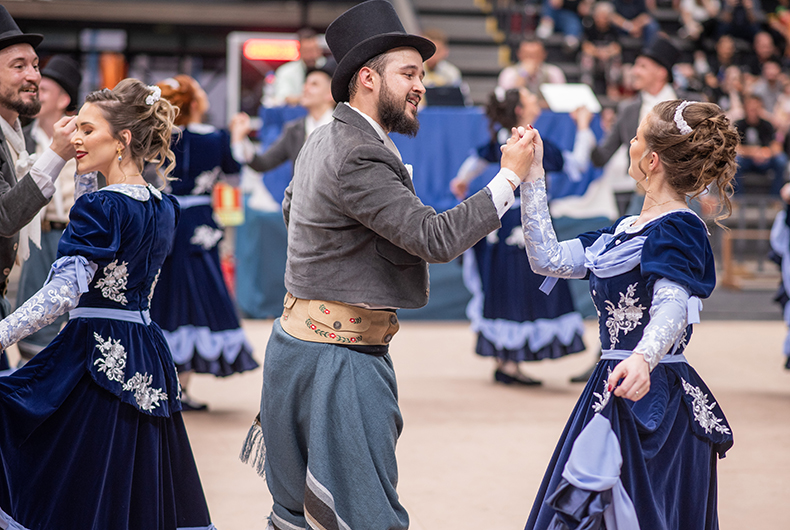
[[137, 192]]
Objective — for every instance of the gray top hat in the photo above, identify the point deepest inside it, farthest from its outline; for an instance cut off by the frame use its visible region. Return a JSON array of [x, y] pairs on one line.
[[363, 32], [10, 33]]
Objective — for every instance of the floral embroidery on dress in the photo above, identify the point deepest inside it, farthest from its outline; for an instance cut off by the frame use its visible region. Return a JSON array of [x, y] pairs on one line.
[[625, 317], [146, 397], [153, 286], [204, 182], [113, 360], [114, 282], [603, 397], [206, 237], [703, 412]]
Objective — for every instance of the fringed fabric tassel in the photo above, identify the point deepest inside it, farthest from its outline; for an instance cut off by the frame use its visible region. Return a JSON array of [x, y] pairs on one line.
[[254, 442]]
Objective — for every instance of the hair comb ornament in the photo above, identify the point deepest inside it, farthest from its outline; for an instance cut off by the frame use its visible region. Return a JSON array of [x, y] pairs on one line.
[[172, 83], [683, 127], [499, 92], [154, 96]]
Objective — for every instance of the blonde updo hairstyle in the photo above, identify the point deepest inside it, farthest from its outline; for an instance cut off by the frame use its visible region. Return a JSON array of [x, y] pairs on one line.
[[124, 107], [698, 159], [180, 90]]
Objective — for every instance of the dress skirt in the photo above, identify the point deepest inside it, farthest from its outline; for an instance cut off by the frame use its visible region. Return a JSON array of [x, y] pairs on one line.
[[515, 321], [76, 449], [192, 304], [669, 441]]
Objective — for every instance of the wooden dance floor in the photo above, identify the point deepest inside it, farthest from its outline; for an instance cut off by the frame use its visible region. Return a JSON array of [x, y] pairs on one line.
[[473, 452]]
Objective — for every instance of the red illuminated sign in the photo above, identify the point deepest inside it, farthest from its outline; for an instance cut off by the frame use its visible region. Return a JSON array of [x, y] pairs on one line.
[[271, 49]]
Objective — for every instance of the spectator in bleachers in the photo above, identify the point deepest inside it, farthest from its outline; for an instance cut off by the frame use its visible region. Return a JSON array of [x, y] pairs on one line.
[[633, 18], [700, 20], [738, 18], [760, 151], [289, 78], [724, 57], [769, 85], [438, 70], [601, 58], [727, 93], [566, 17], [532, 70], [763, 50]]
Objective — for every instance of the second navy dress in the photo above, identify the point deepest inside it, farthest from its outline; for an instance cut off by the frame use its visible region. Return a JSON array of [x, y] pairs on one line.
[[192, 304]]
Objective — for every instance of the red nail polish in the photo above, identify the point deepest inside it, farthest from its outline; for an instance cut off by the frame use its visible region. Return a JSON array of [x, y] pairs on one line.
[[610, 388], [531, 127]]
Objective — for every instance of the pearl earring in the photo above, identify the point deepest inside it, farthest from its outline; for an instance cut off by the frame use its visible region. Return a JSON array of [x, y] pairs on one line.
[[120, 157]]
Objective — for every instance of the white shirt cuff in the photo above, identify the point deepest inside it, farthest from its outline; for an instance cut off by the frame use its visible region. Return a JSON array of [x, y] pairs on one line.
[[243, 151], [501, 190], [46, 170]]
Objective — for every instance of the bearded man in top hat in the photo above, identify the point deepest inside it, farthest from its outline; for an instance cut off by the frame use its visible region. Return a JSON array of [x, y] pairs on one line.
[[358, 242], [25, 185], [57, 92]]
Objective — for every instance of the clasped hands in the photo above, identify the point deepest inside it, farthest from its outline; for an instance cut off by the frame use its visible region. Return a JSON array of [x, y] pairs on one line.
[[523, 154]]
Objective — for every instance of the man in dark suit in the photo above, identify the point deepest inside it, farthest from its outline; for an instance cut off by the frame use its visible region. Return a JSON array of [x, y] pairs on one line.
[[316, 98], [359, 240], [652, 72], [25, 185]]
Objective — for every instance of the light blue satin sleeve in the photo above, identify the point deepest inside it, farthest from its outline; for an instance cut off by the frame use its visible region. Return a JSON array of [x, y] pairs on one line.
[[546, 255], [87, 183], [68, 279]]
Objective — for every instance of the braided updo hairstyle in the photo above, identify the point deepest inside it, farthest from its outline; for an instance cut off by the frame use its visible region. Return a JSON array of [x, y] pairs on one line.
[[695, 160], [125, 107]]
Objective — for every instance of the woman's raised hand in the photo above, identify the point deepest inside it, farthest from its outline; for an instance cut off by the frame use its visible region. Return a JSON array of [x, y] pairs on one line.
[[519, 152], [61, 138]]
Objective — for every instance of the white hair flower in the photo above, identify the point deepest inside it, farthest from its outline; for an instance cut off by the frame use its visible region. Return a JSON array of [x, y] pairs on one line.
[[154, 96]]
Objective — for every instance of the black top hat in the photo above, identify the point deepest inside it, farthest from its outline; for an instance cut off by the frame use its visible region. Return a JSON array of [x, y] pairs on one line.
[[363, 32], [65, 71], [328, 68], [10, 33], [663, 52]]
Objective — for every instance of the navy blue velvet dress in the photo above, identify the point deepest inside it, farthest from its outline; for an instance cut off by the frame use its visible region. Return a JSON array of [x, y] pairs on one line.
[[513, 319], [91, 434], [192, 303], [669, 440]]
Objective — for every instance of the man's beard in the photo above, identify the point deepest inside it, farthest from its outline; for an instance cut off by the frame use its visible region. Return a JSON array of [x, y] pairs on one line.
[[393, 115], [25, 110]]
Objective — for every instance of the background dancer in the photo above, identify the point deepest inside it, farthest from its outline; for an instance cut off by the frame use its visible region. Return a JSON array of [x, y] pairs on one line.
[[649, 459], [514, 321], [92, 424], [192, 303]]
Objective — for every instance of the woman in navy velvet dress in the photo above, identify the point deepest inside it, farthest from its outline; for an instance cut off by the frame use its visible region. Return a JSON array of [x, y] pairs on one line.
[[640, 448], [514, 321], [91, 433], [192, 303]]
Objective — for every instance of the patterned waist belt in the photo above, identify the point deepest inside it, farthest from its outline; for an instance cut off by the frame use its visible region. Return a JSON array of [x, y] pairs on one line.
[[619, 355], [139, 317], [337, 323]]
